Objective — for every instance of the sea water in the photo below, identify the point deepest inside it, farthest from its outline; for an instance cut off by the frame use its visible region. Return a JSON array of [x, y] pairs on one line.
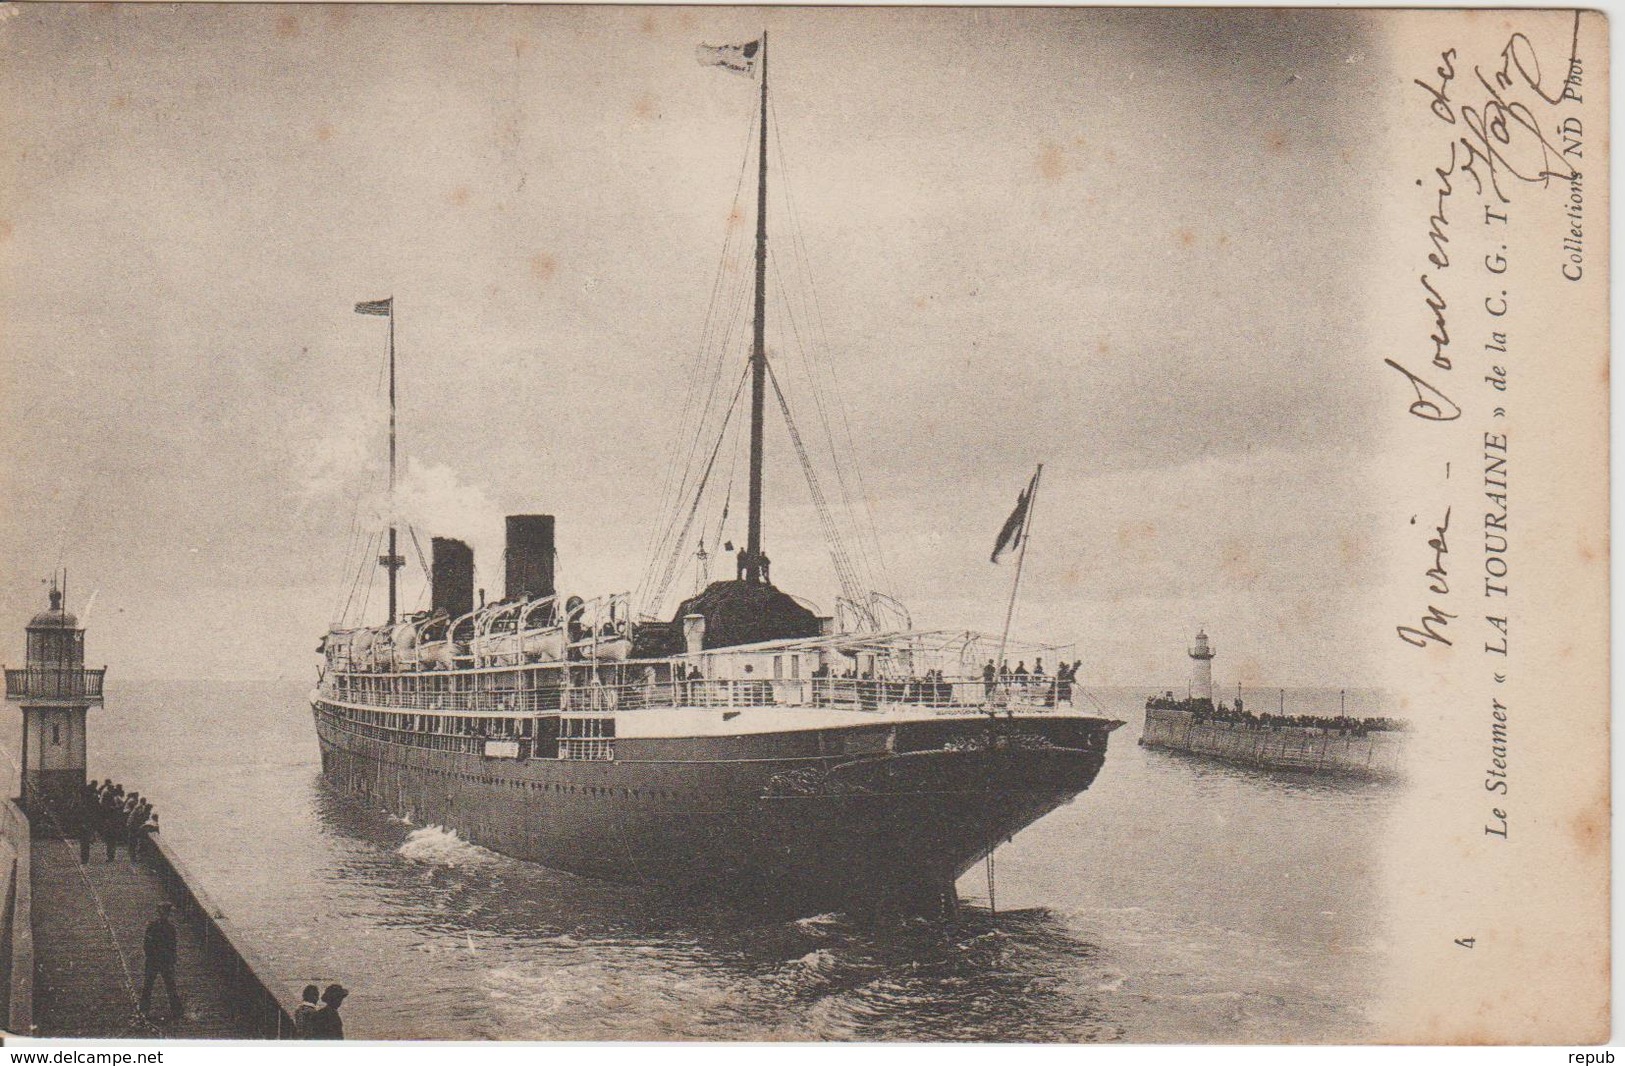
[[1176, 900]]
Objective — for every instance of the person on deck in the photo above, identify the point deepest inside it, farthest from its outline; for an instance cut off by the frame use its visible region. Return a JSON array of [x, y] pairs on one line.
[[159, 945], [989, 674]]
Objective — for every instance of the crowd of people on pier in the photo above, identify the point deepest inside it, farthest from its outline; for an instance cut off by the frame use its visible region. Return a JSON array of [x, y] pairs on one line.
[[117, 817], [1204, 710]]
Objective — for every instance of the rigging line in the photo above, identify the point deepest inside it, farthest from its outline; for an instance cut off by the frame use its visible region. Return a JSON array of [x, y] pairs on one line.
[[366, 598], [840, 540], [374, 546], [708, 327], [668, 495], [676, 553], [673, 563], [867, 571], [672, 537], [848, 580], [710, 322], [671, 508], [816, 319], [670, 534], [727, 497], [675, 556], [355, 584], [344, 560], [375, 541], [838, 551], [826, 396], [799, 245], [422, 562]]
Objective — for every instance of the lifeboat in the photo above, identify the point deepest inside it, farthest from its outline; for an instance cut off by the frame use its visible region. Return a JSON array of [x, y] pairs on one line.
[[541, 638], [433, 645], [402, 647]]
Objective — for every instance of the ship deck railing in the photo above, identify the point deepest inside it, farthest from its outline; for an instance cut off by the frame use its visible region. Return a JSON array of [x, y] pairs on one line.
[[946, 696]]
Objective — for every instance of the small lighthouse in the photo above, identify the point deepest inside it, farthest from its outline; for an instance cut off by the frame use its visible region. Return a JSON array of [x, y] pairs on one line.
[[55, 690], [1202, 668]]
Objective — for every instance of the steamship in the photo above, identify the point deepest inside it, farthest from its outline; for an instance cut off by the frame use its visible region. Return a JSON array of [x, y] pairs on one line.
[[747, 745]]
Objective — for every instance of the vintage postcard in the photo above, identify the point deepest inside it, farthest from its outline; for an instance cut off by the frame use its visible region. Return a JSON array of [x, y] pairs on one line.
[[818, 524]]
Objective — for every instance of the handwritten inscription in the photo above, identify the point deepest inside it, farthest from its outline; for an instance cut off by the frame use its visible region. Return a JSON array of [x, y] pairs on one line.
[[1499, 139], [1431, 627], [1511, 127]]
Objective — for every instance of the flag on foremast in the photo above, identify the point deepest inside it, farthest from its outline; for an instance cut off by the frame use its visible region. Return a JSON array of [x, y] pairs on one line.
[[1015, 527], [376, 307], [735, 58]]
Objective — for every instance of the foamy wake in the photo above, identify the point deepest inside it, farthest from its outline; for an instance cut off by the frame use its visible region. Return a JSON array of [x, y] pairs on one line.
[[817, 923], [439, 846], [819, 962]]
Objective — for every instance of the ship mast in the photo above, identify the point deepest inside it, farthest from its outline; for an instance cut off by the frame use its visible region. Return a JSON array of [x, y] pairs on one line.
[[753, 569], [393, 561]]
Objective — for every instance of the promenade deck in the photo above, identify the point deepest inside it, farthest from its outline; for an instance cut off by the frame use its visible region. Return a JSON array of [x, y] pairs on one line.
[[88, 926]]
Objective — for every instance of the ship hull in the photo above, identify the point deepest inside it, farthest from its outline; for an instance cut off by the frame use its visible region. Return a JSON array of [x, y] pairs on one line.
[[856, 818]]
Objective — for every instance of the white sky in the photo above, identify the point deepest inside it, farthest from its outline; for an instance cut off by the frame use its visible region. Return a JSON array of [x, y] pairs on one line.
[[1129, 245]]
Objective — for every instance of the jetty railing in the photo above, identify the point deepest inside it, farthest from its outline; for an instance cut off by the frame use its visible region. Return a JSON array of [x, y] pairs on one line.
[[259, 1007]]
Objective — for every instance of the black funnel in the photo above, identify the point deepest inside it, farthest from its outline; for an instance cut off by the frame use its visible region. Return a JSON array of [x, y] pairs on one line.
[[529, 557], [452, 585]]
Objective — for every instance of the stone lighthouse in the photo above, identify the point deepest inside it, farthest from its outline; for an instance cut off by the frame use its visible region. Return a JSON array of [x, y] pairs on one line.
[[55, 690], [1202, 668]]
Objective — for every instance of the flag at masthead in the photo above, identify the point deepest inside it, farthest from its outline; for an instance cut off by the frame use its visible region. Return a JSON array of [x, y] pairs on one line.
[[734, 58]]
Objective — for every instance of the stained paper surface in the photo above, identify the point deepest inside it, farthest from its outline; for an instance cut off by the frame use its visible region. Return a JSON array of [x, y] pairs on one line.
[[1305, 314]]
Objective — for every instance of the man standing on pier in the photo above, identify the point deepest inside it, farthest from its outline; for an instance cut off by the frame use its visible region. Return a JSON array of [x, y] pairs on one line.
[[90, 813], [160, 951], [112, 819]]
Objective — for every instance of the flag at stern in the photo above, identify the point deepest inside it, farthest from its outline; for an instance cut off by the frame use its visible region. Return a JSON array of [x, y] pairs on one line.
[[1015, 527]]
